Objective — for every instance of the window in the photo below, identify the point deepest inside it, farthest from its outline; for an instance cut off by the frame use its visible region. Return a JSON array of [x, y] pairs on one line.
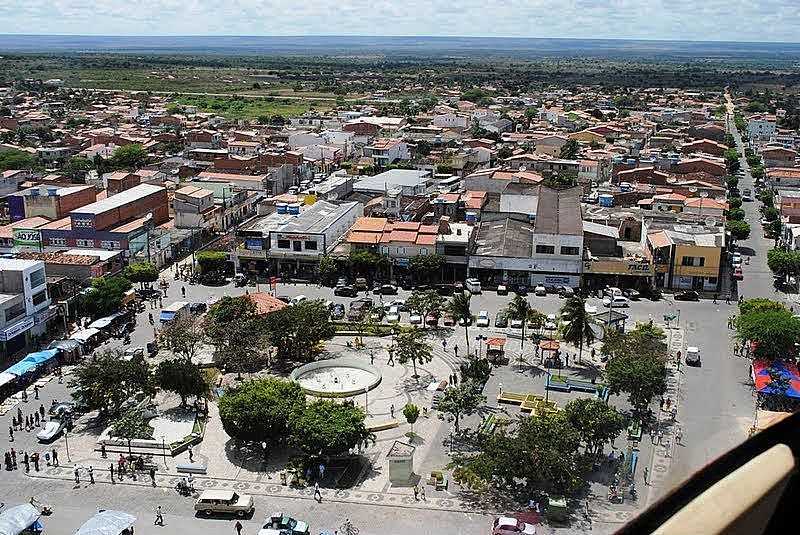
[[423, 251], [39, 298], [109, 244], [58, 241], [311, 245], [37, 278], [546, 249], [697, 261], [297, 245], [283, 244], [84, 243], [572, 251], [14, 312], [711, 280], [82, 223]]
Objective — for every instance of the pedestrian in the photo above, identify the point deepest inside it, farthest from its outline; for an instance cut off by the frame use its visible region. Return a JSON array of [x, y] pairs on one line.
[[36, 417], [77, 473], [91, 475], [55, 457], [150, 318], [183, 291], [674, 413], [153, 476], [111, 471], [27, 462], [661, 406], [646, 473], [727, 299], [19, 416], [159, 517], [13, 459], [371, 356], [416, 493], [11, 434], [317, 493], [7, 460], [660, 436], [391, 410], [715, 299], [669, 403], [238, 527], [189, 481], [679, 436], [103, 450], [27, 423], [455, 351], [25, 395], [321, 470], [191, 453], [422, 493], [41, 410], [36, 391]]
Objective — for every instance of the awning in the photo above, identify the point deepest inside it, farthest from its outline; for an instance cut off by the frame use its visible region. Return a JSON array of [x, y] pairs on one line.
[[41, 356], [85, 335], [17, 519], [107, 523], [496, 342], [65, 345], [21, 368], [549, 345], [6, 378], [764, 371]]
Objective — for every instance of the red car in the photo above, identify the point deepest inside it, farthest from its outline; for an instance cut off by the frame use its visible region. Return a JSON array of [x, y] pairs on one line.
[[432, 320], [737, 274], [506, 525]]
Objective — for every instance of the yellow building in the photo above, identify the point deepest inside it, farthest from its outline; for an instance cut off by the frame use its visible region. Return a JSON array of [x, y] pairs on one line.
[[587, 136], [687, 257]]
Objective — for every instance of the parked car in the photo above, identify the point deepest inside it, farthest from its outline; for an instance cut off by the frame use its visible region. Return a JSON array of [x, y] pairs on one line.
[[616, 302], [337, 312], [133, 352], [444, 289], [432, 319], [515, 323], [224, 502], [448, 320], [361, 284], [345, 291], [687, 295], [415, 318], [630, 293], [376, 288], [59, 409], [540, 290], [296, 300], [483, 319], [502, 289], [521, 289], [610, 291], [287, 524], [473, 285], [737, 274], [198, 308], [394, 315], [284, 298], [377, 313], [566, 291], [240, 279], [693, 356], [52, 429], [341, 282], [506, 525], [388, 289], [399, 303], [501, 320], [465, 321]]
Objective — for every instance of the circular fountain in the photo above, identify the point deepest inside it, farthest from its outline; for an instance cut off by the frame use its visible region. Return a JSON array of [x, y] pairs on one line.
[[336, 378]]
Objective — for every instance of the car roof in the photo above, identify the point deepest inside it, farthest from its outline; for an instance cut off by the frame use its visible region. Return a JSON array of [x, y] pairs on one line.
[[692, 349], [216, 495]]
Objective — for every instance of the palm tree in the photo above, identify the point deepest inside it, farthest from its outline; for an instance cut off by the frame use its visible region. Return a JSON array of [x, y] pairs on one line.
[[459, 309], [518, 309], [577, 324]]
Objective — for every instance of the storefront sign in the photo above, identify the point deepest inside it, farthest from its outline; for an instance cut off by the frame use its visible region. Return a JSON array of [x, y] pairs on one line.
[[44, 315], [254, 244], [31, 238], [20, 327], [402, 262], [618, 267]]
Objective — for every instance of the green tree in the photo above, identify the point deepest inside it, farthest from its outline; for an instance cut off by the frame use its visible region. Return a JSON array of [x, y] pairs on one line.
[[297, 330], [518, 309], [459, 307], [425, 302], [77, 167], [577, 324], [569, 150], [211, 262], [131, 157], [732, 160], [181, 377], [739, 230], [411, 412], [412, 347], [367, 263], [759, 304], [784, 263], [141, 272], [106, 380], [16, 159], [736, 215], [641, 376], [426, 267], [262, 409], [734, 202], [460, 400], [329, 428], [596, 421], [105, 296], [328, 269], [235, 328], [132, 426], [770, 213], [184, 336], [771, 333]]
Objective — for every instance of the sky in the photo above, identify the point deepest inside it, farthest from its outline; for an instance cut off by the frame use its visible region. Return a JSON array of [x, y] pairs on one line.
[[695, 20]]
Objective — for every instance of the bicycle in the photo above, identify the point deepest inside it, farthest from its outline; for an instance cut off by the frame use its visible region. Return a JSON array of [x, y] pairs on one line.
[[348, 528]]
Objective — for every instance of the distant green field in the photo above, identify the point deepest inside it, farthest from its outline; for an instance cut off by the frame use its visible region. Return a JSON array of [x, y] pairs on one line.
[[251, 108]]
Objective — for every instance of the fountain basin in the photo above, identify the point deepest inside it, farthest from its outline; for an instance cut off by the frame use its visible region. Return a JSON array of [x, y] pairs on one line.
[[336, 378]]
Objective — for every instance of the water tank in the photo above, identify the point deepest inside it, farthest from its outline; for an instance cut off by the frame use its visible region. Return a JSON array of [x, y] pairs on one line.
[[52, 191], [282, 207], [294, 208], [606, 200]]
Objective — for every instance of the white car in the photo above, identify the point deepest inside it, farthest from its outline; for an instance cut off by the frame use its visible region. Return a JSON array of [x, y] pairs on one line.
[[611, 291], [396, 303], [297, 300], [508, 525], [617, 301], [692, 356], [736, 260], [415, 318], [483, 319], [394, 315], [540, 290], [51, 430], [515, 324]]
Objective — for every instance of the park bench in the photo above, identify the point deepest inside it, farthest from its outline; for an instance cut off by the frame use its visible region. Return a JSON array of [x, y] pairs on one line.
[[438, 480], [383, 426], [514, 398]]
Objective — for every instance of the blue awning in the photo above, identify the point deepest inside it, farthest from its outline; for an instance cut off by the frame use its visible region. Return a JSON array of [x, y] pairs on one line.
[[21, 368], [41, 356]]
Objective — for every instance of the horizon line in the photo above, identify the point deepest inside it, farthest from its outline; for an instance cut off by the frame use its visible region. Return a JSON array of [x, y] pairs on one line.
[[517, 37]]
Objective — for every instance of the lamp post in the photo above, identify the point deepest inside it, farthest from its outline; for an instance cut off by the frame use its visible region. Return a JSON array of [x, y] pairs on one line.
[[366, 400], [66, 444], [164, 449]]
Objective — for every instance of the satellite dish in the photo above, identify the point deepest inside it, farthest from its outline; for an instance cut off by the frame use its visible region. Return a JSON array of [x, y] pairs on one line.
[[693, 189], [711, 222], [703, 194]]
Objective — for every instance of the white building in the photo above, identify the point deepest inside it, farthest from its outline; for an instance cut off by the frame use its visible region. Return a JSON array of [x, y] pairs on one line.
[[450, 120], [761, 128], [24, 303]]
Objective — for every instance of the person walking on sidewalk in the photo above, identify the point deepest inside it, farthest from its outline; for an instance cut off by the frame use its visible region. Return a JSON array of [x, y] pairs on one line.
[[11, 434], [159, 521], [77, 473], [153, 476], [646, 473], [422, 493], [317, 493], [111, 471], [91, 475], [238, 527], [191, 453], [55, 457]]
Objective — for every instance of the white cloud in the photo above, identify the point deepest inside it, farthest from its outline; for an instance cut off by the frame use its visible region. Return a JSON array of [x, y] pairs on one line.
[[758, 20]]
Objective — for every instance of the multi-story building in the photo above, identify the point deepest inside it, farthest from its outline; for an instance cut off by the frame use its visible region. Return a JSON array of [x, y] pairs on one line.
[[761, 128], [778, 157], [194, 208], [52, 202], [685, 256], [386, 151], [24, 303]]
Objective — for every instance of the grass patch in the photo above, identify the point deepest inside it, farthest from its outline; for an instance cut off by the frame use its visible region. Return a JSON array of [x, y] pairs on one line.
[[252, 108]]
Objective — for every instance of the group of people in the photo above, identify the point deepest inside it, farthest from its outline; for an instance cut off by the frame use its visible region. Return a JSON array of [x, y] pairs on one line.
[[26, 422], [27, 459]]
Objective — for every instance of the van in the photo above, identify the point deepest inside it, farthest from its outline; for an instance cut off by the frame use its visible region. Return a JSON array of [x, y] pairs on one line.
[[170, 312], [473, 286], [224, 502]]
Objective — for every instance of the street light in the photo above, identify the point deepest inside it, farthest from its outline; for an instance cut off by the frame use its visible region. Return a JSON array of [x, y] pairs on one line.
[[66, 443], [366, 400], [164, 450]]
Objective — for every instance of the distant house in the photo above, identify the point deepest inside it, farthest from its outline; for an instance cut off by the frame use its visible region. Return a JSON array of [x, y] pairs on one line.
[[779, 157], [707, 146], [450, 120], [387, 151]]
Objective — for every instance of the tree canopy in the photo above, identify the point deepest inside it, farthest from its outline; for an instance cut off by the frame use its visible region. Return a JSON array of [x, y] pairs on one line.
[[329, 428], [184, 335], [141, 272], [104, 381], [130, 157], [235, 328], [182, 377], [16, 159], [425, 302], [105, 296], [772, 332], [262, 409], [577, 323], [596, 421], [739, 230], [297, 330], [413, 347], [460, 400]]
